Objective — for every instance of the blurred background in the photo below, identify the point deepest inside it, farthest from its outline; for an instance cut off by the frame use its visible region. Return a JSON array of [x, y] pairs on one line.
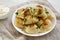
[[9, 3]]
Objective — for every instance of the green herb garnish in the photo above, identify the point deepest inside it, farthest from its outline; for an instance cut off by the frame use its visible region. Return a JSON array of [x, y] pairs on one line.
[[33, 11], [29, 13], [16, 13], [24, 24], [25, 19], [46, 11], [39, 11], [37, 26], [29, 7]]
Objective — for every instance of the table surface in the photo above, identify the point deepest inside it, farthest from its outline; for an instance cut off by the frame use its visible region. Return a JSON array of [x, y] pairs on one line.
[[53, 35]]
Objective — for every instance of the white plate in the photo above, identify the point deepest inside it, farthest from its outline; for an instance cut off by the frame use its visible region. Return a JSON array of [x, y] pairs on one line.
[[29, 4]]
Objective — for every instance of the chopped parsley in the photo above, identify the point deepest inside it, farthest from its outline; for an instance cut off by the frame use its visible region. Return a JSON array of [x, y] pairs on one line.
[[46, 11], [24, 24], [29, 7], [33, 11], [37, 26], [29, 13], [25, 19], [39, 11], [16, 13]]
